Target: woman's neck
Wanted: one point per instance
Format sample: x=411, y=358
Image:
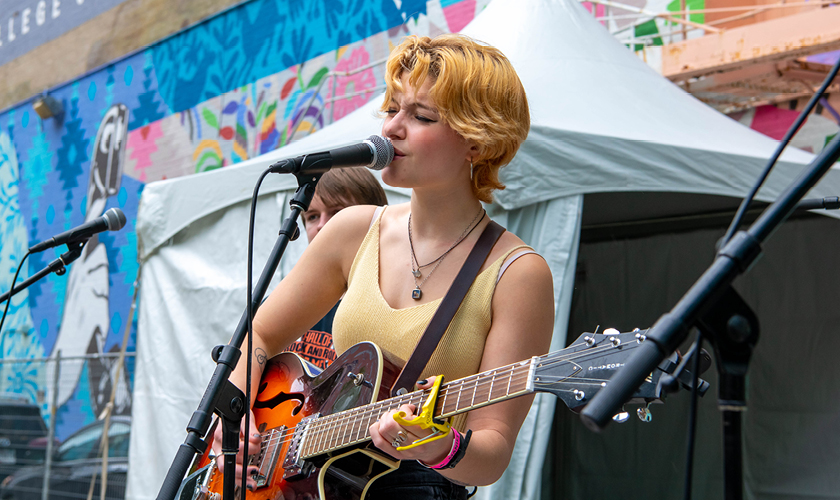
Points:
x=442, y=215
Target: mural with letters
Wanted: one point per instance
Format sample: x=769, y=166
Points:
x=26, y=24
x=242, y=83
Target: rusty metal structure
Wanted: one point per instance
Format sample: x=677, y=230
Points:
x=742, y=56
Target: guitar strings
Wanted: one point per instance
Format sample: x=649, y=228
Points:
x=333, y=430
x=324, y=428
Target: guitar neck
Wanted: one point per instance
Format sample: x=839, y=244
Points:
x=350, y=427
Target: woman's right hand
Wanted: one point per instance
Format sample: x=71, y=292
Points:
x=254, y=443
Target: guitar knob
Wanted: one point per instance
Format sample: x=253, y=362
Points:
x=357, y=379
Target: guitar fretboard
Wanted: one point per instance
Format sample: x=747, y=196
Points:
x=350, y=427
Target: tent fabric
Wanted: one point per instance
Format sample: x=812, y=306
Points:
x=793, y=384
x=602, y=121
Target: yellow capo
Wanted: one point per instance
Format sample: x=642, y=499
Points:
x=426, y=419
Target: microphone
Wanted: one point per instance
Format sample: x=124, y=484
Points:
x=375, y=153
x=112, y=220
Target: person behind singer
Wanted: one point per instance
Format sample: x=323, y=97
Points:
x=337, y=189
x=455, y=112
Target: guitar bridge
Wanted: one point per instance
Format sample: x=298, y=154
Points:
x=293, y=466
x=269, y=455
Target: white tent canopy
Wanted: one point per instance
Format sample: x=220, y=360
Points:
x=602, y=121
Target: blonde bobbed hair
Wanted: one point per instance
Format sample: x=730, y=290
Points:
x=476, y=92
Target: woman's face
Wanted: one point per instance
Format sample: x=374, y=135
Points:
x=427, y=151
x=318, y=215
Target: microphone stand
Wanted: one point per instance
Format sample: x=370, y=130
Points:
x=722, y=316
x=58, y=266
x=222, y=396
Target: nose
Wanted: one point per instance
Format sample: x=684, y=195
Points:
x=393, y=127
x=322, y=221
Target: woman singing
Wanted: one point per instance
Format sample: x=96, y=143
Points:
x=455, y=112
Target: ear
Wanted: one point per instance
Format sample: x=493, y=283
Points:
x=472, y=154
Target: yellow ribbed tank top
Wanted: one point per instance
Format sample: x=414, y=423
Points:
x=364, y=315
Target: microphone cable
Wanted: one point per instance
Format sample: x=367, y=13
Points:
x=11, y=293
x=250, y=342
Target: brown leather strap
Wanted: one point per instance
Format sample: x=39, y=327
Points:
x=447, y=309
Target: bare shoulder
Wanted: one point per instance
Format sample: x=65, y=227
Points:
x=353, y=219
x=527, y=285
x=522, y=309
x=342, y=235
x=526, y=267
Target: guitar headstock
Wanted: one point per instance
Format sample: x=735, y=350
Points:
x=578, y=372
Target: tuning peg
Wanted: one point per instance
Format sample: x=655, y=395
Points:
x=621, y=416
x=644, y=413
x=611, y=331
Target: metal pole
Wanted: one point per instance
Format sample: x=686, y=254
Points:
x=45, y=486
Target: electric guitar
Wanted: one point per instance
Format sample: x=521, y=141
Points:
x=314, y=426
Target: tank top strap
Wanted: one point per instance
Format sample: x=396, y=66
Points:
x=513, y=254
x=376, y=213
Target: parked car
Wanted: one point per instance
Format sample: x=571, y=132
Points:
x=76, y=462
x=23, y=435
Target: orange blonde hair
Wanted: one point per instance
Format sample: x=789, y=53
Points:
x=477, y=93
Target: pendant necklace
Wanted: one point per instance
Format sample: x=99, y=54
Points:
x=416, y=267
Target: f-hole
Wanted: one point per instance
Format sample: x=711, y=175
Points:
x=279, y=399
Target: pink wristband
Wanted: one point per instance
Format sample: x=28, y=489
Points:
x=456, y=443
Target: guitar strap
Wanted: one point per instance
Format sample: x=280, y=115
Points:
x=447, y=309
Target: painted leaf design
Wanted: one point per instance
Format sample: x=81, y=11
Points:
x=210, y=118
x=316, y=79
x=230, y=108
x=287, y=88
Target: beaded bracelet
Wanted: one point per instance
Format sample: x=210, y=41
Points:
x=456, y=453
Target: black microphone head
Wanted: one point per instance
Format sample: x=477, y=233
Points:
x=383, y=151
x=114, y=219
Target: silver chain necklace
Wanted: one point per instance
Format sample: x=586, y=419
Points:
x=416, y=294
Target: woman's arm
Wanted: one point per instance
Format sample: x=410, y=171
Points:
x=310, y=290
x=523, y=321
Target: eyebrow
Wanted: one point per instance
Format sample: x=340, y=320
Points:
x=417, y=104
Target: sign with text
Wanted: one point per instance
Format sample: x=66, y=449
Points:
x=26, y=24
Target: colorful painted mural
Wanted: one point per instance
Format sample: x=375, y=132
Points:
x=231, y=88
x=240, y=84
